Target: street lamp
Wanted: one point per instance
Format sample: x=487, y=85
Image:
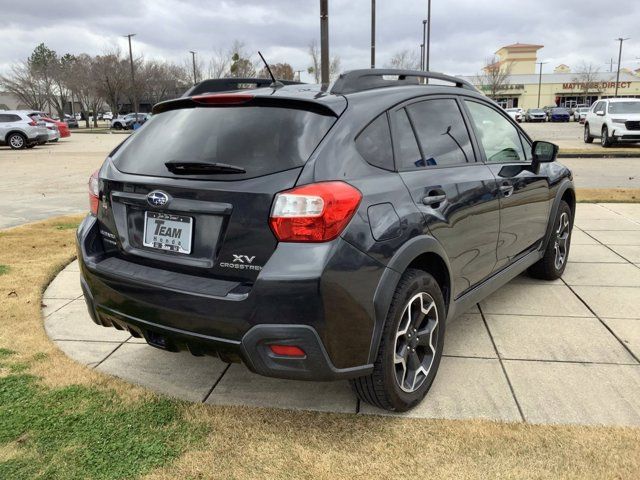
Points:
x=620, y=39
x=133, y=82
x=373, y=33
x=424, y=43
x=193, y=60
x=540, y=81
x=428, y=44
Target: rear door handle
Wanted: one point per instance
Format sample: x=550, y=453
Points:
x=506, y=190
x=433, y=199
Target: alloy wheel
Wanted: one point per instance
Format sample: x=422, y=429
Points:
x=16, y=141
x=416, y=341
x=562, y=241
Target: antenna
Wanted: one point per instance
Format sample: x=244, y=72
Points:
x=275, y=83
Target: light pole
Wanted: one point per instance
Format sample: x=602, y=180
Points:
x=373, y=33
x=299, y=72
x=428, y=44
x=193, y=60
x=540, y=81
x=620, y=39
x=133, y=81
x=324, y=41
x=424, y=43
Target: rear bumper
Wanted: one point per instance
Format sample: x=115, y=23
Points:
x=312, y=305
x=40, y=139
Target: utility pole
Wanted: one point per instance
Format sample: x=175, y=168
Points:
x=424, y=43
x=324, y=41
x=540, y=81
x=620, y=39
x=133, y=80
x=428, y=47
x=298, y=72
x=373, y=33
x=193, y=60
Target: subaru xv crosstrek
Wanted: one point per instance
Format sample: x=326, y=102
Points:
x=321, y=233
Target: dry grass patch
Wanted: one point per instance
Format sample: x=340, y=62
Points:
x=610, y=195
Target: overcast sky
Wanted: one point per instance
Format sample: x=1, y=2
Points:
x=464, y=32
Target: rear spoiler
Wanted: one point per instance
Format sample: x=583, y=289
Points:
x=216, y=85
x=242, y=98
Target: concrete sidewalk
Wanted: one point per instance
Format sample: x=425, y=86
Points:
x=541, y=352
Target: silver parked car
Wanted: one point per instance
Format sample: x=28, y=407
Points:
x=18, y=130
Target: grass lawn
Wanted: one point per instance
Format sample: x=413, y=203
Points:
x=610, y=195
x=59, y=419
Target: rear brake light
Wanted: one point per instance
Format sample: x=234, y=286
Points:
x=33, y=124
x=94, y=193
x=223, y=99
x=317, y=212
x=287, y=350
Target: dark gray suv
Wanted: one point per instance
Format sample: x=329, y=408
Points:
x=321, y=233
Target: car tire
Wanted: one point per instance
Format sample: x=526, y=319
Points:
x=16, y=141
x=588, y=138
x=605, y=140
x=400, y=381
x=551, y=266
x=117, y=126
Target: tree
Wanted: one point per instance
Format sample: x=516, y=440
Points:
x=586, y=79
x=112, y=78
x=282, y=71
x=404, y=60
x=163, y=80
x=241, y=66
x=83, y=84
x=494, y=77
x=22, y=83
x=219, y=64
x=315, y=67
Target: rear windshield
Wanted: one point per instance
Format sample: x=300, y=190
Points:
x=259, y=139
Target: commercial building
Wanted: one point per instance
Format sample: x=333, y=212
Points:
x=521, y=85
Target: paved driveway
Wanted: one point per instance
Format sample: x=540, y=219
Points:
x=542, y=352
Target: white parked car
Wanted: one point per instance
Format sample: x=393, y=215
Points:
x=580, y=114
x=515, y=113
x=18, y=130
x=613, y=120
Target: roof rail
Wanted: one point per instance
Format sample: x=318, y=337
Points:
x=214, y=85
x=368, y=79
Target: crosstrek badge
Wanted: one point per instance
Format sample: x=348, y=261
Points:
x=241, y=262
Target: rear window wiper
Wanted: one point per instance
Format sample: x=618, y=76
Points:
x=202, y=168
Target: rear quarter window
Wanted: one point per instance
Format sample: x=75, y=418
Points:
x=374, y=143
x=262, y=140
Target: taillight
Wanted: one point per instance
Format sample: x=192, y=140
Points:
x=317, y=212
x=33, y=124
x=94, y=193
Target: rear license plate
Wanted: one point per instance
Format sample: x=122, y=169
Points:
x=164, y=231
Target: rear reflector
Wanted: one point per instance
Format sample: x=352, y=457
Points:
x=287, y=350
x=94, y=193
x=223, y=99
x=317, y=212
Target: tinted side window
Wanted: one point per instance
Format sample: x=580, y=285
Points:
x=408, y=154
x=441, y=132
x=4, y=118
x=374, y=143
x=499, y=138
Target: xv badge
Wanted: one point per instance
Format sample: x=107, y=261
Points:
x=243, y=258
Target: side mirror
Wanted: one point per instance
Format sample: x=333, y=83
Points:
x=544, y=152
x=600, y=113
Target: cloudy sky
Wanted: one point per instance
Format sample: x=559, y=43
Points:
x=464, y=32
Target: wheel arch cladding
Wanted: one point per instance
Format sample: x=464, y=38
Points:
x=567, y=193
x=423, y=253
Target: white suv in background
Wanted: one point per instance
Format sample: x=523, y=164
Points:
x=18, y=130
x=613, y=120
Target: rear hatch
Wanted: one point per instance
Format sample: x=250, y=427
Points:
x=191, y=191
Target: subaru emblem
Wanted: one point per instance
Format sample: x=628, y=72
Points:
x=157, y=198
